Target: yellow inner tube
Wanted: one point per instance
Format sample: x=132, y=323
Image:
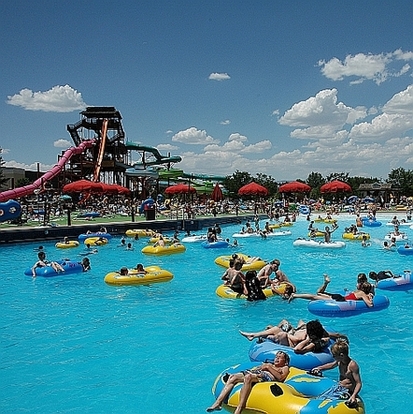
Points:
x=63, y=245
x=288, y=400
x=155, y=275
x=358, y=236
x=96, y=241
x=226, y=292
x=248, y=265
x=139, y=232
x=162, y=250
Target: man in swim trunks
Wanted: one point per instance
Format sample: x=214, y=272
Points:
x=276, y=371
x=350, y=382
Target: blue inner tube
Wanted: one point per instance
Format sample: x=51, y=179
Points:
x=332, y=308
x=69, y=267
x=265, y=351
x=82, y=237
x=214, y=245
x=304, y=209
x=405, y=251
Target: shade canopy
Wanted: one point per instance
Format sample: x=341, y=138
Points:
x=335, y=186
x=217, y=193
x=294, y=187
x=90, y=186
x=83, y=185
x=180, y=188
x=253, y=189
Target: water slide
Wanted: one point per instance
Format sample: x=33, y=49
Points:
x=99, y=160
x=161, y=159
x=39, y=183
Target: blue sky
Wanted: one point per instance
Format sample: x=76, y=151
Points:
x=283, y=88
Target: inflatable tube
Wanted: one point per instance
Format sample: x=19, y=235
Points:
x=402, y=237
x=358, y=236
x=139, y=233
x=299, y=393
x=194, y=239
x=267, y=234
x=163, y=250
x=371, y=223
x=303, y=209
x=226, y=292
x=316, y=234
x=155, y=275
x=96, y=241
x=401, y=282
x=48, y=271
x=214, y=245
x=400, y=224
x=10, y=210
x=319, y=244
x=266, y=350
x=84, y=236
x=279, y=225
x=248, y=265
x=334, y=309
x=68, y=245
x=405, y=251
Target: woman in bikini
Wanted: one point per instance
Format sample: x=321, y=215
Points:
x=360, y=294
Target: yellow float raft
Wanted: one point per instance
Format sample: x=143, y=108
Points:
x=139, y=233
x=154, y=275
x=96, y=241
x=163, y=250
x=226, y=292
x=248, y=265
x=68, y=245
x=358, y=236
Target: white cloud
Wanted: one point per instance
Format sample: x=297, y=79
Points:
x=29, y=167
x=320, y=116
x=62, y=143
x=237, y=137
x=219, y=76
x=226, y=122
x=193, y=136
x=377, y=68
x=401, y=103
x=166, y=147
x=57, y=99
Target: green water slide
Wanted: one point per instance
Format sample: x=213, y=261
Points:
x=155, y=158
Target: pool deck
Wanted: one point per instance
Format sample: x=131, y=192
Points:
x=26, y=233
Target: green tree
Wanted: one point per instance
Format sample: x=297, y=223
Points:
x=234, y=182
x=338, y=176
x=403, y=179
x=268, y=182
x=315, y=180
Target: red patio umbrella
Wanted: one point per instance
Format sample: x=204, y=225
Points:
x=121, y=189
x=335, y=186
x=253, y=189
x=180, y=188
x=294, y=187
x=82, y=185
x=217, y=193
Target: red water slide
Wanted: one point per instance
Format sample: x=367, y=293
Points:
x=39, y=183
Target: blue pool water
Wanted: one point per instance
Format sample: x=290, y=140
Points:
x=73, y=344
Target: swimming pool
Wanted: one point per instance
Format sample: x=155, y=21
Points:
x=74, y=344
